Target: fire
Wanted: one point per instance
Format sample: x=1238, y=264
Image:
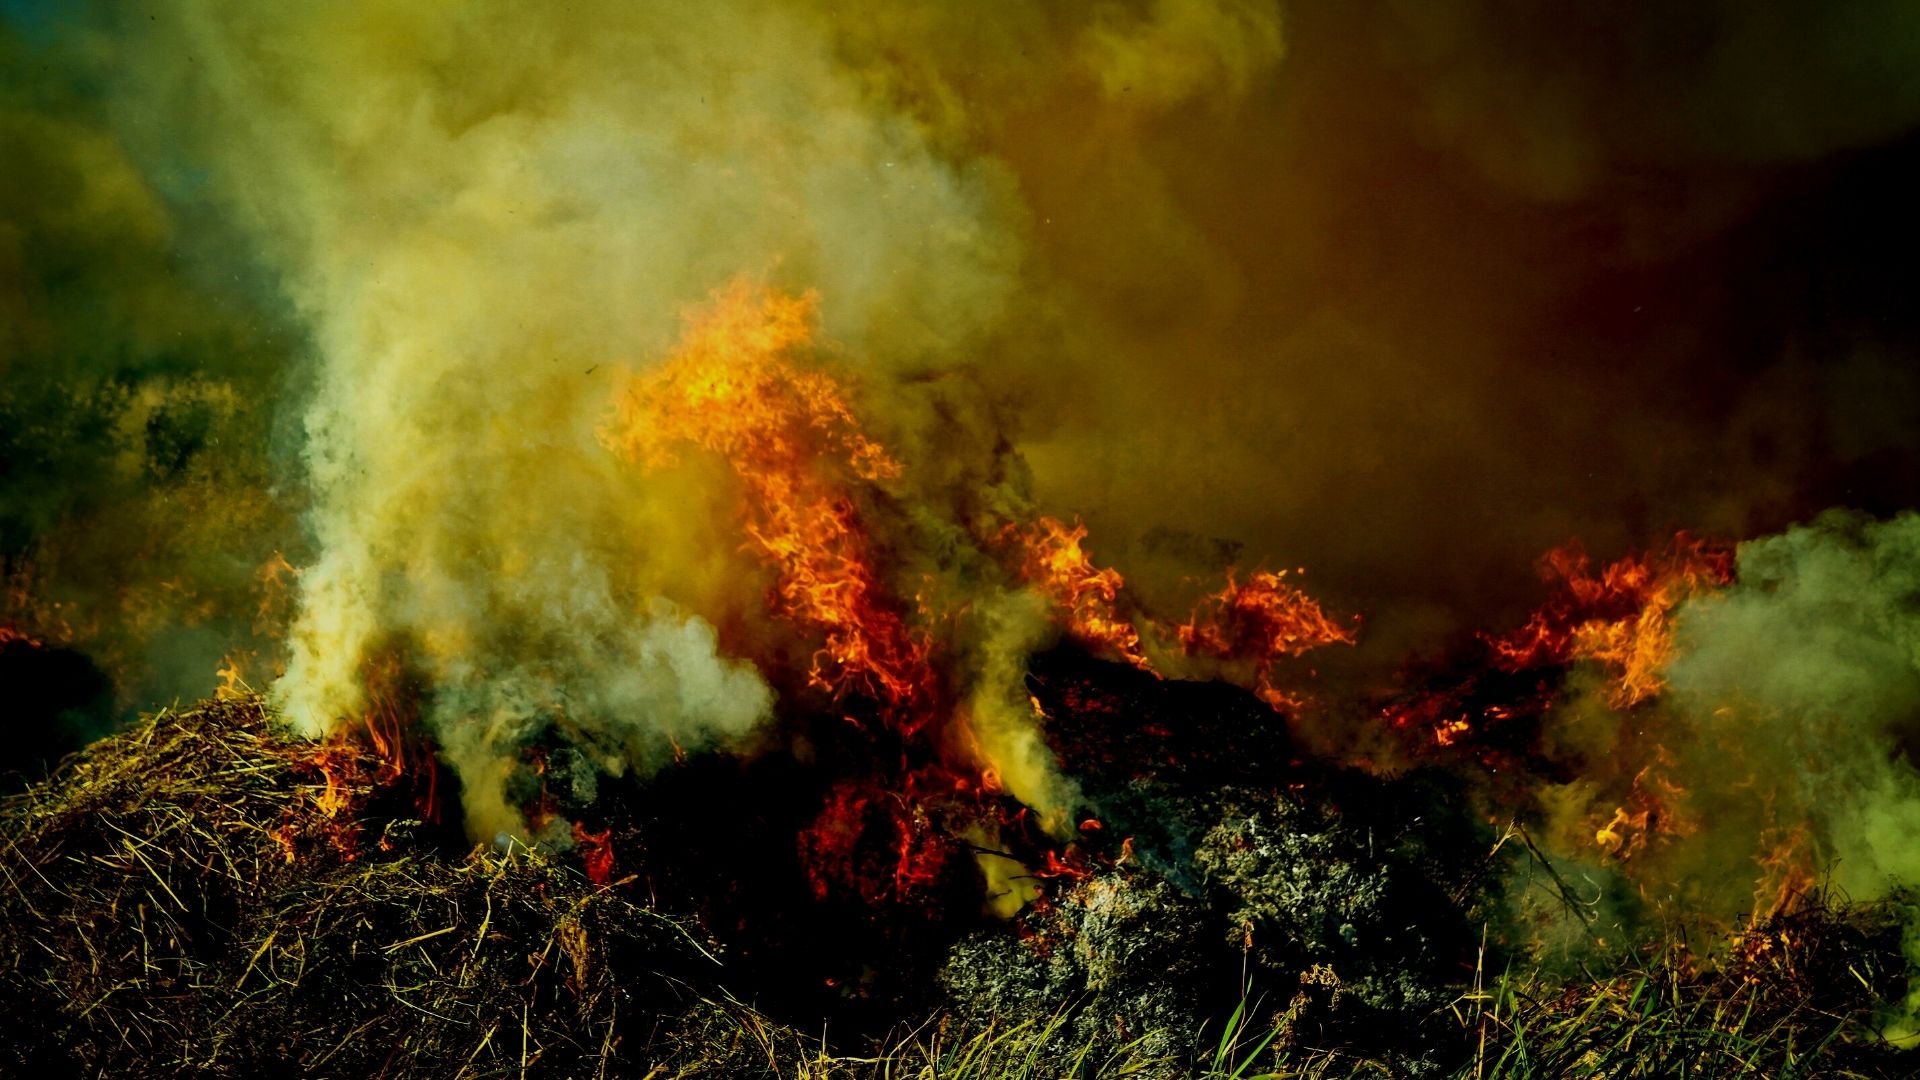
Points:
x=233, y=684
x=917, y=851
x=596, y=852
x=1263, y=620
x=1451, y=731
x=337, y=765
x=733, y=388
x=815, y=488
x=385, y=747
x=1655, y=806
x=273, y=582
x=1056, y=565
x=1786, y=872
x=1620, y=618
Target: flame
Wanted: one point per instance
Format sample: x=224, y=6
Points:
x=337, y=766
x=1451, y=731
x=385, y=747
x=1786, y=872
x=273, y=585
x=596, y=852
x=1056, y=565
x=1072, y=866
x=233, y=686
x=739, y=385
x=1263, y=620
x=733, y=388
x=26, y=616
x=917, y=852
x=1620, y=618
x=1655, y=807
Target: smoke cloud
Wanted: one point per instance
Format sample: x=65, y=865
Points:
x=139, y=491
x=1400, y=293
x=482, y=216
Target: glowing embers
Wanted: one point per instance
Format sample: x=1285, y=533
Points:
x=875, y=844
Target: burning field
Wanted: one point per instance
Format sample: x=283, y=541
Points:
x=1174, y=538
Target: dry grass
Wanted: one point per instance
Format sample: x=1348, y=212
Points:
x=201, y=896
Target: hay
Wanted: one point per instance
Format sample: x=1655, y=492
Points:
x=200, y=896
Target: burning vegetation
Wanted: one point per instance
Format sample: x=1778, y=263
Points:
x=1106, y=866
x=726, y=539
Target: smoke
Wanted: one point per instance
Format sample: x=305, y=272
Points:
x=1778, y=758
x=1180, y=49
x=482, y=216
x=1401, y=293
x=1552, y=98
x=1000, y=717
x=1440, y=288
x=1805, y=677
x=138, y=481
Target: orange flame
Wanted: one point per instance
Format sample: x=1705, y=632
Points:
x=1621, y=618
x=1089, y=594
x=732, y=388
x=738, y=386
x=233, y=684
x=1786, y=872
x=1655, y=807
x=385, y=748
x=1263, y=620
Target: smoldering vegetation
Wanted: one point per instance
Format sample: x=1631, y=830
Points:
x=208, y=893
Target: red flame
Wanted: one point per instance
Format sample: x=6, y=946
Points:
x=1621, y=617
x=1263, y=620
x=917, y=853
x=596, y=852
x=738, y=386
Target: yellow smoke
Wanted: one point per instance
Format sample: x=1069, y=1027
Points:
x=481, y=212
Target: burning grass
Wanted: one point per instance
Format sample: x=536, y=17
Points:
x=200, y=895
x=1800, y=996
